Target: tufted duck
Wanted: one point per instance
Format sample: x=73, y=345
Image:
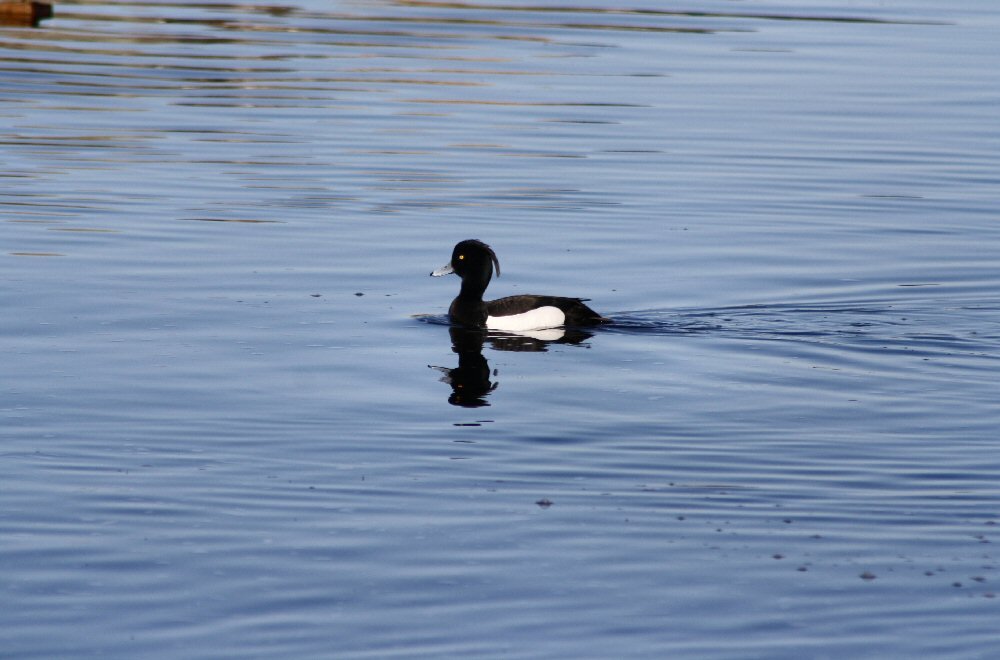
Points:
x=473, y=261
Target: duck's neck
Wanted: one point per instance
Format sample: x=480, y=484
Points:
x=474, y=285
x=468, y=308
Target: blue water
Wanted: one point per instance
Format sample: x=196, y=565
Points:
x=235, y=423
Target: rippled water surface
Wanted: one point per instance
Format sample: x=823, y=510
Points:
x=235, y=423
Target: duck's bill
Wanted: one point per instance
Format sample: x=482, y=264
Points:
x=443, y=270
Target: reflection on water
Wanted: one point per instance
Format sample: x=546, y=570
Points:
x=231, y=91
x=471, y=381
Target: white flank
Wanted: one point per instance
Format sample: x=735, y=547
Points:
x=536, y=319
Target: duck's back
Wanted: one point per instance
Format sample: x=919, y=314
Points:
x=573, y=311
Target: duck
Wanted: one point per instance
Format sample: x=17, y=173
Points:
x=473, y=261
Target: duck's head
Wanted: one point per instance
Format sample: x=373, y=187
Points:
x=471, y=260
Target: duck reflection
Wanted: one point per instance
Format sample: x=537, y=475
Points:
x=472, y=380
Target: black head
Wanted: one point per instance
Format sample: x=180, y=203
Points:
x=473, y=261
x=473, y=257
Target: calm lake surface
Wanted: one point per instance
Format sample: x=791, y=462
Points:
x=235, y=423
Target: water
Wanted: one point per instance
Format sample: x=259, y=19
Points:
x=234, y=422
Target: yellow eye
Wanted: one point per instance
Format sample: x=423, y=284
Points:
x=461, y=257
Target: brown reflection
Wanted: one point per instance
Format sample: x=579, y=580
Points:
x=364, y=64
x=160, y=54
x=23, y=12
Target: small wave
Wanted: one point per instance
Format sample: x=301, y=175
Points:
x=853, y=324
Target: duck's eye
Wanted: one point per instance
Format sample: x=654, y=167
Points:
x=461, y=257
